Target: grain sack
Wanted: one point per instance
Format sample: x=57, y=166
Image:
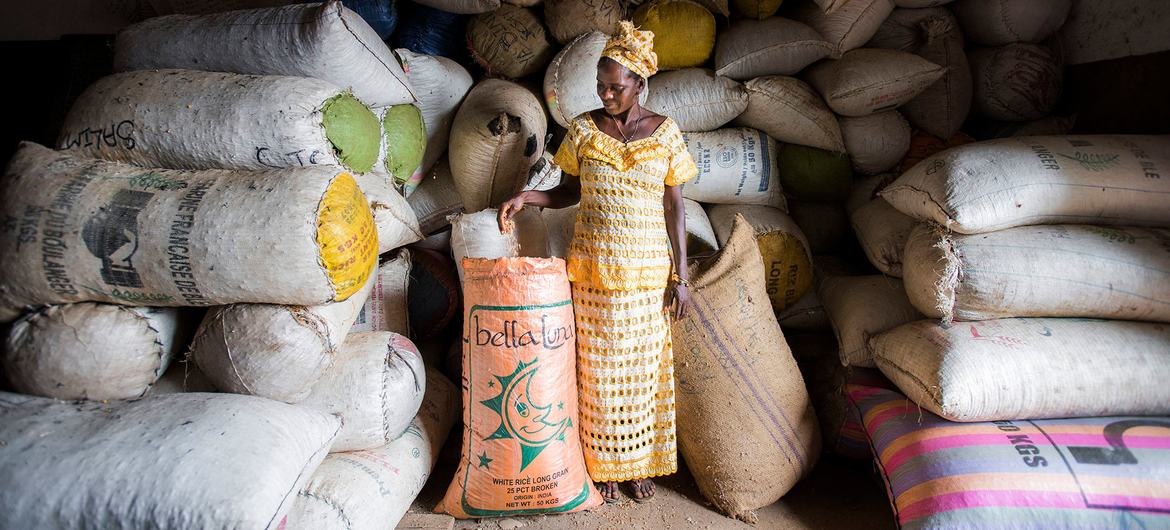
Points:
x=866, y=189
x=808, y=173
x=374, y=489
x=1055, y=125
x=775, y=46
x=882, y=232
x=543, y=175
x=273, y=351
x=561, y=223
x=787, y=260
x=736, y=166
x=999, y=22
x=497, y=135
x=1034, y=271
x=917, y=4
x=756, y=9
x=375, y=385
x=1029, y=368
x=1017, y=82
x=808, y=314
x=90, y=351
x=849, y=24
x=736, y=375
x=522, y=452
x=394, y=221
x=684, y=32
x=168, y=462
x=828, y=382
x=108, y=232
x=570, y=83
x=924, y=145
x=440, y=84
x=700, y=236
x=1070, y=473
x=185, y=119
x=569, y=19
x=478, y=235
x=436, y=199
x=871, y=80
x=182, y=376
x=386, y=306
x=463, y=7
x=790, y=111
x=697, y=99
x=439, y=241
x=434, y=298
x=424, y=29
x=860, y=307
x=876, y=143
x=908, y=30
x=404, y=141
x=824, y=225
x=943, y=107
x=987, y=186
x=509, y=41
x=325, y=41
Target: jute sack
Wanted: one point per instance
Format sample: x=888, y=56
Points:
x=684, y=32
x=924, y=145
x=436, y=199
x=463, y=7
x=375, y=384
x=790, y=111
x=522, y=451
x=433, y=298
x=772, y=46
x=440, y=84
x=756, y=9
x=808, y=173
x=182, y=376
x=942, y=108
x=823, y=224
x=736, y=166
x=849, y=24
x=387, y=308
x=561, y=225
x=169, y=462
x=1038, y=367
x=404, y=140
x=90, y=351
x=569, y=19
x=701, y=238
x=866, y=189
x=570, y=83
x=1033, y=271
x=807, y=314
x=871, y=80
x=745, y=424
x=273, y=351
x=477, y=235
x=882, y=232
x=907, y=30
x=1016, y=82
x=876, y=143
x=497, y=135
x=109, y=232
x=186, y=119
x=860, y=307
x=325, y=41
x=697, y=99
x=374, y=488
x=787, y=260
x=509, y=41
x=987, y=186
x=999, y=22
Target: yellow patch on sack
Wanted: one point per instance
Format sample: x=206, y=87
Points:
x=346, y=236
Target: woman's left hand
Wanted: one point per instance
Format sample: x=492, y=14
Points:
x=678, y=298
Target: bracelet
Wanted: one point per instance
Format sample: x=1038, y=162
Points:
x=678, y=280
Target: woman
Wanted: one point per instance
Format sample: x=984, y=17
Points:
x=626, y=166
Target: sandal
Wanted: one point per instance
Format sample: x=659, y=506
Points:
x=638, y=486
x=609, y=492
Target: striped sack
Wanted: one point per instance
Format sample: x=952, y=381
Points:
x=1110, y=472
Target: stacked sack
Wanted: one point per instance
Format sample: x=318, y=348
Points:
x=213, y=171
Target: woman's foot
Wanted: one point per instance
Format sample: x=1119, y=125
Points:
x=642, y=489
x=609, y=492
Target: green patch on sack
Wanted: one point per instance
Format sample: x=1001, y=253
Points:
x=814, y=174
x=353, y=131
x=406, y=140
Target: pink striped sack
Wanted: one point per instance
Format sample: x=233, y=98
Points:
x=1110, y=472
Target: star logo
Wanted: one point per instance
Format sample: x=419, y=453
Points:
x=484, y=461
x=521, y=418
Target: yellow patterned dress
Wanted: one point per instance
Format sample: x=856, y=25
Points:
x=619, y=263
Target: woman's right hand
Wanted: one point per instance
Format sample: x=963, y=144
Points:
x=508, y=210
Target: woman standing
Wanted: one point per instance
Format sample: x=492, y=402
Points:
x=627, y=261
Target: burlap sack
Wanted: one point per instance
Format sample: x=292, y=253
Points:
x=847, y=24
x=876, y=143
x=943, y=107
x=1040, y=271
x=736, y=166
x=998, y=184
x=882, y=232
x=745, y=424
x=907, y=29
x=860, y=307
x=1016, y=82
x=569, y=19
x=325, y=41
x=684, y=32
x=807, y=315
x=870, y=80
x=772, y=46
x=789, y=110
x=697, y=99
x=1028, y=368
x=787, y=260
x=102, y=231
x=999, y=22
x=509, y=41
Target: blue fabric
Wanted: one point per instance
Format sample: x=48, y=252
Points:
x=426, y=30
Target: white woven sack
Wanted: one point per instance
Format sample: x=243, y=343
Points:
x=701, y=238
x=1016, y=82
x=870, y=80
x=1029, y=368
x=876, y=143
x=386, y=309
x=175, y=461
x=1034, y=271
x=90, y=351
x=736, y=166
x=393, y=217
x=697, y=99
x=182, y=376
x=999, y=22
x=440, y=84
x=561, y=223
x=477, y=235
x=790, y=111
x=773, y=46
x=570, y=82
x=436, y=199
x=849, y=24
x=860, y=307
x=997, y=184
x=325, y=41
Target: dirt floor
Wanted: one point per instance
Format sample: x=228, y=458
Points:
x=840, y=494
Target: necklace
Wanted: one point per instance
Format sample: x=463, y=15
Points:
x=626, y=137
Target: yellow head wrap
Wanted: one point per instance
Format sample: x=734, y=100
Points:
x=633, y=49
